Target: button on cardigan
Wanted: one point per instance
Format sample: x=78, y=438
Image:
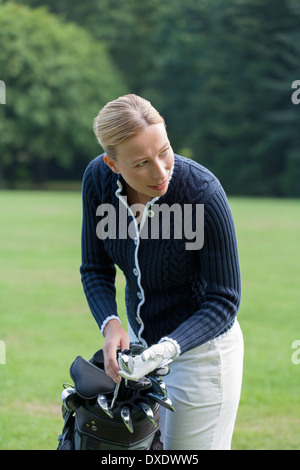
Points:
x=188, y=296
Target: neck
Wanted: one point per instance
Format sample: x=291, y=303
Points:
x=133, y=197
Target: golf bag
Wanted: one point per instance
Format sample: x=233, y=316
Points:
x=101, y=415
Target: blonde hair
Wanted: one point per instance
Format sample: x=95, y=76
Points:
x=123, y=118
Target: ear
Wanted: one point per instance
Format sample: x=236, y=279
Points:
x=111, y=163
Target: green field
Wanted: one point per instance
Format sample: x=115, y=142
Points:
x=45, y=322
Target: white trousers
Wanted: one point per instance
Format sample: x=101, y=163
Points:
x=204, y=385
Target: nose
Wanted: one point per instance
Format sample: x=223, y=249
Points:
x=159, y=171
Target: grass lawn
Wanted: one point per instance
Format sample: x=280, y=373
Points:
x=45, y=321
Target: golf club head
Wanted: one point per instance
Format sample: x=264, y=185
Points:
x=148, y=412
x=142, y=384
x=124, y=362
x=70, y=399
x=162, y=400
x=136, y=348
x=161, y=371
x=125, y=415
x=158, y=386
x=102, y=402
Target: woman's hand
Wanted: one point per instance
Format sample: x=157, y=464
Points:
x=158, y=355
x=115, y=337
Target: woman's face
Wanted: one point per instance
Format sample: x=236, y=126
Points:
x=145, y=161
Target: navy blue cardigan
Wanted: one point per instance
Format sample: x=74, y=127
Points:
x=188, y=296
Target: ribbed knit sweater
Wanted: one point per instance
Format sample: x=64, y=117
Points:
x=188, y=296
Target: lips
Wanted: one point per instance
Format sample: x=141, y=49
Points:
x=159, y=187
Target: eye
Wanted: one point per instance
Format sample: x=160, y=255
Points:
x=164, y=152
x=141, y=164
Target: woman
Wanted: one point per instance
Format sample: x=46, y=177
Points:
x=181, y=299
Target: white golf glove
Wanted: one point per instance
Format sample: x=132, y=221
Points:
x=133, y=368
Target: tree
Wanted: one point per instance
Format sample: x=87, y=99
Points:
x=216, y=78
x=57, y=78
x=284, y=121
x=127, y=28
x=220, y=72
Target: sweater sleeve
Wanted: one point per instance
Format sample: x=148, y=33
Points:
x=97, y=269
x=218, y=261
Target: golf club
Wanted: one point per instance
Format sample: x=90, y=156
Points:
x=125, y=415
x=158, y=385
x=162, y=400
x=148, y=412
x=70, y=399
x=141, y=384
x=115, y=395
x=102, y=402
